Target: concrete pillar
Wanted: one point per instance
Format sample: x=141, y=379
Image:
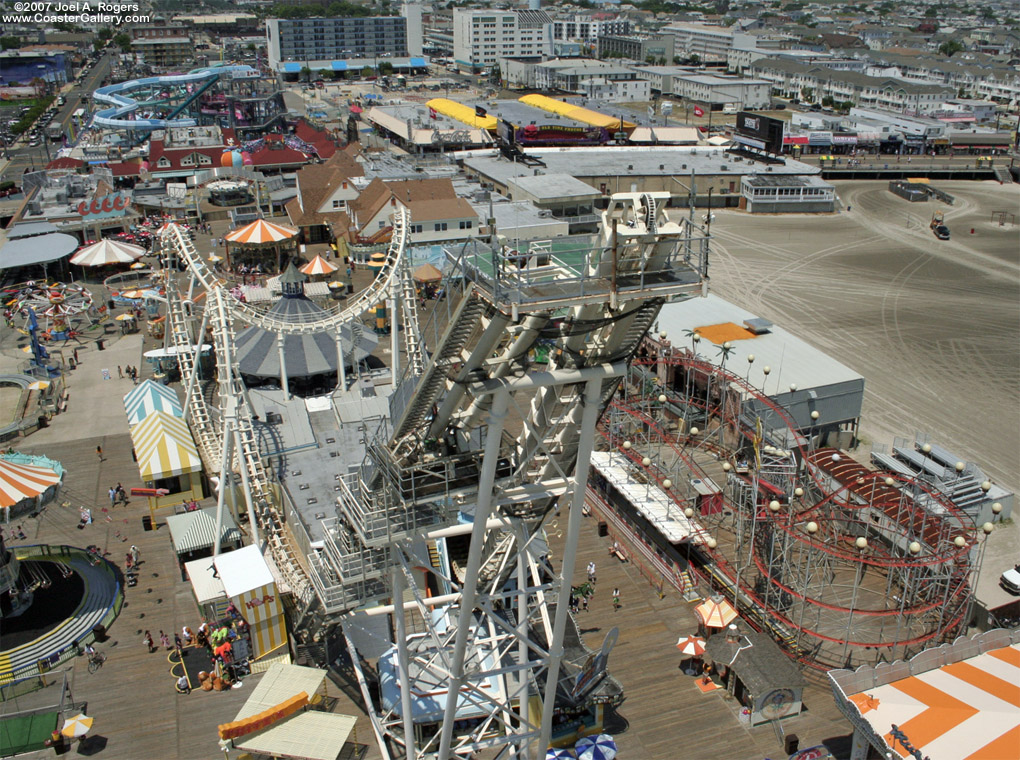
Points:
x=283, y=367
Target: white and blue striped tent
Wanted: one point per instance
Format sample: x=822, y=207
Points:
x=151, y=397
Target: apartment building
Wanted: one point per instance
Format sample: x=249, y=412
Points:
x=710, y=43
x=813, y=83
x=588, y=29
x=658, y=47
x=165, y=52
x=707, y=88
x=482, y=38
x=335, y=39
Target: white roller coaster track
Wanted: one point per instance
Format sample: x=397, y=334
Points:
x=222, y=308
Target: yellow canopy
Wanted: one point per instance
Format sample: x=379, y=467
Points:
x=584, y=115
x=462, y=113
x=164, y=447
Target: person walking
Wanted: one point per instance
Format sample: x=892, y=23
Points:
x=120, y=372
x=76, y=356
x=113, y=496
x=147, y=640
x=134, y=553
x=121, y=494
x=591, y=572
x=177, y=640
x=616, y=598
x=165, y=641
x=99, y=453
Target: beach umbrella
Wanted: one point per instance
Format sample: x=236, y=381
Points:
x=39, y=385
x=318, y=265
x=214, y=258
x=133, y=295
x=336, y=284
x=124, y=317
x=138, y=265
x=692, y=646
x=77, y=726
x=716, y=613
x=601, y=747
x=556, y=753
x=107, y=252
x=27, y=349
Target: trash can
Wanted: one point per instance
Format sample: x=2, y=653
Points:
x=792, y=744
x=603, y=529
x=111, y=305
x=101, y=344
x=99, y=631
x=146, y=522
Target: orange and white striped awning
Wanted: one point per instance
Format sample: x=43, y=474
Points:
x=260, y=231
x=318, y=265
x=716, y=613
x=23, y=481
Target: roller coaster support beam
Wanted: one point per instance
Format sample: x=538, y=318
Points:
x=341, y=369
x=193, y=380
x=483, y=508
x=403, y=661
x=586, y=441
x=224, y=485
x=284, y=383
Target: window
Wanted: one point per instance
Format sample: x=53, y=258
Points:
x=163, y=162
x=467, y=225
x=416, y=228
x=338, y=203
x=382, y=223
x=440, y=227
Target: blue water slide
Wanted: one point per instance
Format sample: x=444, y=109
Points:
x=122, y=104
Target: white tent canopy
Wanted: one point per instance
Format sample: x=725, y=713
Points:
x=107, y=252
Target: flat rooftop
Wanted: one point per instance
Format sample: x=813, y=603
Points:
x=554, y=187
x=521, y=114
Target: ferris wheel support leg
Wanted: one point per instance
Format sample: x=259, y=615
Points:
x=592, y=391
x=193, y=380
x=284, y=384
x=483, y=508
x=341, y=369
x=224, y=485
x=402, y=657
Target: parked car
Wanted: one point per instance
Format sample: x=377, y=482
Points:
x=941, y=231
x=1010, y=580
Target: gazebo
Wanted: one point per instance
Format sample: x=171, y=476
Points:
x=259, y=236
x=427, y=273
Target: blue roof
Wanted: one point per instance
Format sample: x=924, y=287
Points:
x=339, y=65
x=417, y=61
x=292, y=68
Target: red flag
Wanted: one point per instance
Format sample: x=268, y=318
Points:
x=699, y=111
x=433, y=114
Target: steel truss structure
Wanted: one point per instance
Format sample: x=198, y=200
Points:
x=842, y=564
x=480, y=442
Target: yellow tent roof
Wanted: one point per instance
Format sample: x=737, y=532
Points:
x=576, y=113
x=462, y=113
x=164, y=447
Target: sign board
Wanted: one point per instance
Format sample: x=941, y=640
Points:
x=594, y=668
x=106, y=206
x=762, y=129
x=176, y=189
x=666, y=107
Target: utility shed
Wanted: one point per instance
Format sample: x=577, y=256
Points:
x=755, y=670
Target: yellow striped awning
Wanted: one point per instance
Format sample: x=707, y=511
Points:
x=583, y=115
x=462, y=113
x=164, y=447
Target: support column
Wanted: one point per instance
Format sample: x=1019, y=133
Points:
x=483, y=508
x=402, y=658
x=341, y=369
x=859, y=746
x=394, y=307
x=224, y=484
x=283, y=367
x=586, y=442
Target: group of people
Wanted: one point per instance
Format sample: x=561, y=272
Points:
x=118, y=495
x=17, y=534
x=130, y=372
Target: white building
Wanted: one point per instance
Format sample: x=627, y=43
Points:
x=482, y=38
x=708, y=88
x=908, y=126
x=588, y=29
x=709, y=43
x=599, y=80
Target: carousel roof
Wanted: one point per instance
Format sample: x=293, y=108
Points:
x=260, y=231
x=305, y=355
x=23, y=481
x=107, y=252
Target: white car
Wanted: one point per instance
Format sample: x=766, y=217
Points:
x=1010, y=580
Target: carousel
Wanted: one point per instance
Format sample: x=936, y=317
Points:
x=247, y=246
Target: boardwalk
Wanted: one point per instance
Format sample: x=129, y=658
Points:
x=666, y=716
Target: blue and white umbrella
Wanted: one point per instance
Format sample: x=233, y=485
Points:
x=554, y=753
x=601, y=747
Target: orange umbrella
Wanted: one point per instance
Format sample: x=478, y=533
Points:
x=692, y=646
x=716, y=613
x=318, y=265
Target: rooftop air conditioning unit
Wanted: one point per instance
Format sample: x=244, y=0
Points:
x=630, y=167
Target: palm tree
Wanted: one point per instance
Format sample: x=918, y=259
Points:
x=724, y=352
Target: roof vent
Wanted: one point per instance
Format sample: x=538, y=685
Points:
x=758, y=325
x=630, y=167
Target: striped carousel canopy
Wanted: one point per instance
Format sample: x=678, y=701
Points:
x=260, y=231
x=20, y=481
x=151, y=397
x=164, y=447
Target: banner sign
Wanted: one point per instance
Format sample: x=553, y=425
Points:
x=106, y=206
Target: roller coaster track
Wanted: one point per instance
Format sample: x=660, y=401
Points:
x=222, y=309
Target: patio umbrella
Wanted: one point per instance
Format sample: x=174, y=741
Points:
x=692, y=646
x=427, y=273
x=133, y=294
x=39, y=385
x=318, y=265
x=138, y=265
x=77, y=726
x=601, y=747
x=107, y=252
x=124, y=317
x=214, y=258
x=716, y=613
x=555, y=753
x=336, y=284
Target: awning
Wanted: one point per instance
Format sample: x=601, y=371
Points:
x=795, y=139
x=151, y=397
x=339, y=65
x=665, y=135
x=280, y=683
x=292, y=68
x=196, y=530
x=987, y=139
x=38, y=249
x=418, y=61
x=164, y=447
x=312, y=735
x=205, y=580
x=23, y=481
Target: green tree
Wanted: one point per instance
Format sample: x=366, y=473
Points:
x=950, y=48
x=807, y=94
x=931, y=13
x=366, y=72
x=325, y=73
x=123, y=41
x=385, y=68
x=305, y=73
x=105, y=33
x=10, y=43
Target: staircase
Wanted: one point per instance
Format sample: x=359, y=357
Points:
x=1003, y=175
